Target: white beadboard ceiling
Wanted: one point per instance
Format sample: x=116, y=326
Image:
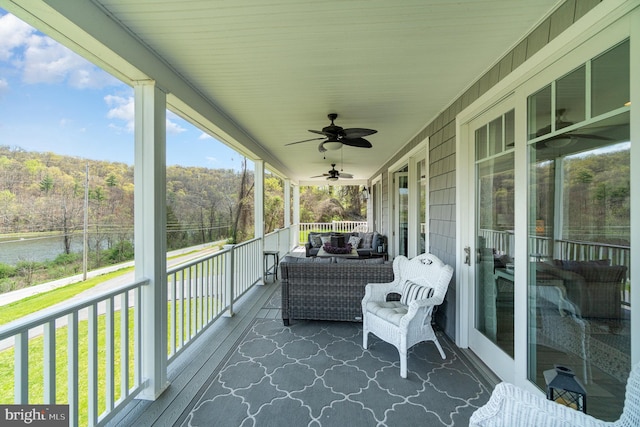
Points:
x=277, y=68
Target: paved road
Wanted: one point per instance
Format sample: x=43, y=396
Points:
x=176, y=258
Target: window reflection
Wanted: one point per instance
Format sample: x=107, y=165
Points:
x=579, y=246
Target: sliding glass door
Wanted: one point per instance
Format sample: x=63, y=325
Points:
x=492, y=322
x=579, y=247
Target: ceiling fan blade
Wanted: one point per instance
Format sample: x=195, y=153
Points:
x=320, y=176
x=588, y=136
x=356, y=142
x=304, y=140
x=321, y=132
x=354, y=133
x=345, y=175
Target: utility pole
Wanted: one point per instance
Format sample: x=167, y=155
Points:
x=85, y=234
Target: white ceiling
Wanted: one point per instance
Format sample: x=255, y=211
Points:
x=276, y=68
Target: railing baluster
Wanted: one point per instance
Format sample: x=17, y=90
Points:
x=199, y=296
x=124, y=345
x=92, y=377
x=49, y=360
x=137, y=340
x=72, y=367
x=187, y=280
x=173, y=316
x=21, y=373
x=109, y=350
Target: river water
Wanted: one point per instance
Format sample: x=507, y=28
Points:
x=35, y=249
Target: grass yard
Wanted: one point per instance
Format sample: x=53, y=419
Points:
x=36, y=365
x=29, y=305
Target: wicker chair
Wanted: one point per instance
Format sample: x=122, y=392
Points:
x=404, y=325
x=511, y=406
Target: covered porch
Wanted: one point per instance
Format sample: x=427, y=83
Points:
x=154, y=362
x=250, y=370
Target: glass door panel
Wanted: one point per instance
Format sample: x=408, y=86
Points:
x=421, y=169
x=494, y=278
x=579, y=254
x=402, y=212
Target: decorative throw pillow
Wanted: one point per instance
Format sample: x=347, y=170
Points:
x=325, y=239
x=354, y=241
x=316, y=242
x=412, y=291
x=366, y=240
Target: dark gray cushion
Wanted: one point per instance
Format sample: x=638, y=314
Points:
x=379, y=260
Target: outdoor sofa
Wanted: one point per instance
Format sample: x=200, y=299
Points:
x=328, y=288
x=367, y=242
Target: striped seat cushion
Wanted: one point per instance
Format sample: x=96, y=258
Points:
x=412, y=291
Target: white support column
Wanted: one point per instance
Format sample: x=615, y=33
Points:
x=413, y=219
x=258, y=197
x=258, y=210
x=296, y=216
x=150, y=233
x=287, y=203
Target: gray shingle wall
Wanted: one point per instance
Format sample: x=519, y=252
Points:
x=441, y=134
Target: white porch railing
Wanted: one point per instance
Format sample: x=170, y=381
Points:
x=202, y=290
x=101, y=352
x=279, y=240
x=107, y=365
x=541, y=248
x=323, y=227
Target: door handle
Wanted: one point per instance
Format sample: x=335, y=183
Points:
x=467, y=255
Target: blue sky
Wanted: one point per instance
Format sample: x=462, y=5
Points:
x=54, y=100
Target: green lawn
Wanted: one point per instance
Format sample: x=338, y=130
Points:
x=38, y=302
x=36, y=364
x=18, y=309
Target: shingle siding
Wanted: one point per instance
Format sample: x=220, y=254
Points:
x=442, y=140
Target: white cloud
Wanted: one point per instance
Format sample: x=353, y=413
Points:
x=205, y=136
x=13, y=34
x=122, y=109
x=43, y=60
x=4, y=86
x=174, y=128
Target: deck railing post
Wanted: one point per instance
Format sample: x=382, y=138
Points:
x=229, y=277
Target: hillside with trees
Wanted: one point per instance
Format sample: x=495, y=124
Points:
x=44, y=193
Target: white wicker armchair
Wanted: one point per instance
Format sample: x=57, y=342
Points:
x=511, y=406
x=404, y=325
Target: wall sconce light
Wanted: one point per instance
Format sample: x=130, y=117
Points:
x=365, y=193
x=563, y=387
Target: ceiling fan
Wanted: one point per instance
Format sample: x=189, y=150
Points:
x=333, y=174
x=335, y=136
x=564, y=139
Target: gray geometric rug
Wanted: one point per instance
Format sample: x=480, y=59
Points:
x=317, y=374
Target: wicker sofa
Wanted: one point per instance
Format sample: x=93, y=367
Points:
x=328, y=288
x=593, y=286
x=368, y=243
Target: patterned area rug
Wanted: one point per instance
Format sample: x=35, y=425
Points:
x=317, y=374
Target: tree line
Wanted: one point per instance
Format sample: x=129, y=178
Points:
x=45, y=192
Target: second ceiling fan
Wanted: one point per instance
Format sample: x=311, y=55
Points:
x=336, y=136
x=333, y=174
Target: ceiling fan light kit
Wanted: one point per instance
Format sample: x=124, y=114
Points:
x=332, y=144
